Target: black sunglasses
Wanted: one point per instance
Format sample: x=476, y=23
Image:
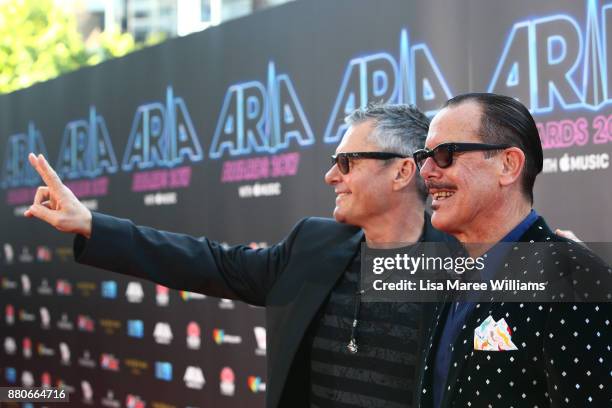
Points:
x=443, y=153
x=343, y=160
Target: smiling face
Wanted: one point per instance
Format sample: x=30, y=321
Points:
x=364, y=192
x=469, y=189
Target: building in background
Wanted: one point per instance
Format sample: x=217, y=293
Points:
x=170, y=18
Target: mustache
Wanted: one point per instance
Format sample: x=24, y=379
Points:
x=438, y=185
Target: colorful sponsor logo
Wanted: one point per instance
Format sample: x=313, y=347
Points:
x=43, y=254
x=194, y=378
x=64, y=323
x=45, y=380
x=134, y=292
x=63, y=287
x=227, y=379
x=135, y=328
x=86, y=360
x=226, y=304
x=9, y=314
x=163, y=370
x=191, y=296
x=45, y=318
x=109, y=289
x=135, y=366
x=220, y=337
x=86, y=323
x=87, y=392
x=260, y=338
x=44, y=288
x=25, y=316
x=193, y=336
x=8, y=284
x=45, y=351
x=162, y=295
x=27, y=379
x=9, y=254
x=162, y=333
x=109, y=362
x=255, y=384
x=10, y=374
x=110, y=401
x=25, y=256
x=26, y=347
x=134, y=401
x=64, y=353
x=10, y=346
x=26, y=285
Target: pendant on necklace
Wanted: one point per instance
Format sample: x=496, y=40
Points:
x=352, y=346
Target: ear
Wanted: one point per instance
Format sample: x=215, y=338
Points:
x=512, y=163
x=405, y=173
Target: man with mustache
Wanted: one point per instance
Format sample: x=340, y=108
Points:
x=482, y=156
x=325, y=347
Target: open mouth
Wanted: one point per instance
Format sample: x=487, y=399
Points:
x=442, y=195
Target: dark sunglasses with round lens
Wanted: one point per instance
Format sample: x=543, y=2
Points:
x=343, y=160
x=443, y=153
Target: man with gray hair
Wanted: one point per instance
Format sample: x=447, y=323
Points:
x=326, y=347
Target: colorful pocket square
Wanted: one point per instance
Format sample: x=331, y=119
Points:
x=493, y=336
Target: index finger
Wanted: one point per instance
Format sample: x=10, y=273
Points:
x=43, y=168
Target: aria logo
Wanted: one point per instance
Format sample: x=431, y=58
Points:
x=194, y=378
x=134, y=292
x=162, y=295
x=255, y=384
x=226, y=385
x=220, y=337
x=162, y=333
x=193, y=336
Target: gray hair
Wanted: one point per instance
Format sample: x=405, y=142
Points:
x=397, y=129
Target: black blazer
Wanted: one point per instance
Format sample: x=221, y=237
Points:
x=563, y=357
x=291, y=279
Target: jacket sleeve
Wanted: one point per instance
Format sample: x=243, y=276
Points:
x=183, y=262
x=577, y=352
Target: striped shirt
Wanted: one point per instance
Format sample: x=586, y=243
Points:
x=382, y=373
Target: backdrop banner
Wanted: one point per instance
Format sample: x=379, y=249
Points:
x=227, y=133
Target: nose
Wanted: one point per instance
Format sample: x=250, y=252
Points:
x=333, y=175
x=429, y=169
